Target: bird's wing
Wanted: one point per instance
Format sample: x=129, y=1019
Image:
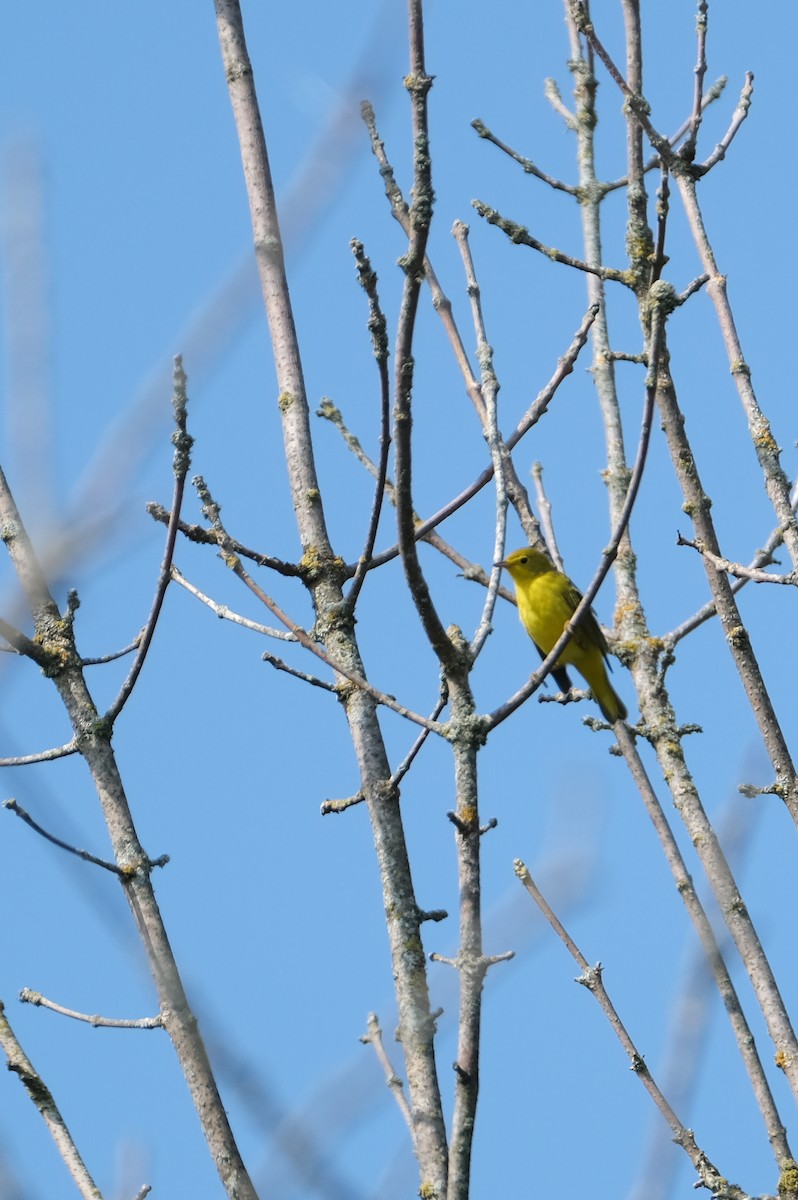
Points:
x=588, y=631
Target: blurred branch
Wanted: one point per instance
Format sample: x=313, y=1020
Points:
x=27, y=331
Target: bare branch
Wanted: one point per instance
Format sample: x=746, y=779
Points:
x=738, y=922
x=19, y=1063
x=765, y=444
x=591, y=978
x=407, y=955
x=536, y=410
x=740, y=113
x=418, y=84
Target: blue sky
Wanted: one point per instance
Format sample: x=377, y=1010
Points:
x=116, y=122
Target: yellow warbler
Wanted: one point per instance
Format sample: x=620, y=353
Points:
x=546, y=600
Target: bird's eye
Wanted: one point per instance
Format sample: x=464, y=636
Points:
x=525, y=559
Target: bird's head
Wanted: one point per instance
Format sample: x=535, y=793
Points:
x=526, y=563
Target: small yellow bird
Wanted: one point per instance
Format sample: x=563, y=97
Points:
x=546, y=600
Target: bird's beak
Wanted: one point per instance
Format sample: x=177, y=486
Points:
x=501, y=563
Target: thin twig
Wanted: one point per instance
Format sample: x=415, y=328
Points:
x=440, y=301
x=544, y=510
x=750, y=574
x=373, y=1038
x=233, y=562
x=28, y=996
x=25, y=760
x=710, y=96
x=740, y=113
x=498, y=453
x=116, y=654
x=766, y=447
x=526, y=164
x=85, y=855
x=379, y=338
x=760, y=559
x=418, y=84
x=182, y=442
x=689, y=148
x=202, y=536
x=521, y=236
x=313, y=680
x=638, y=105
x=227, y=614
x=409, y=758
